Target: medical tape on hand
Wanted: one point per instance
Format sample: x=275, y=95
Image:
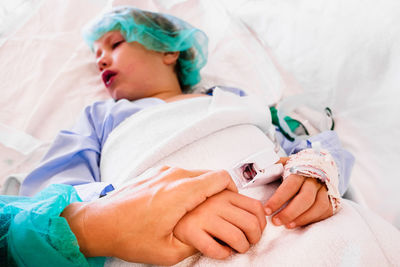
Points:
x=319, y=164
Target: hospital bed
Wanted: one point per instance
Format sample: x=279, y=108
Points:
x=344, y=55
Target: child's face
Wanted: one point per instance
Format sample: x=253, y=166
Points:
x=129, y=70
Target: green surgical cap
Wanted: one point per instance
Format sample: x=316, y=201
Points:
x=158, y=32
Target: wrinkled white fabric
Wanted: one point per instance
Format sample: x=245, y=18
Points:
x=218, y=132
x=198, y=133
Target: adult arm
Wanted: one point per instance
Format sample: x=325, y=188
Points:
x=135, y=223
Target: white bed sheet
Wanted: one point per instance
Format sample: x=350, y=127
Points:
x=349, y=50
x=44, y=82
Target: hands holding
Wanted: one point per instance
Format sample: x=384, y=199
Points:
x=168, y=214
x=307, y=199
x=238, y=221
x=232, y=218
x=136, y=223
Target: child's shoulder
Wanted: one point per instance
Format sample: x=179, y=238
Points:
x=117, y=110
x=100, y=108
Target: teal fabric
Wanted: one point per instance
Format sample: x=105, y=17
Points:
x=158, y=32
x=33, y=234
x=292, y=123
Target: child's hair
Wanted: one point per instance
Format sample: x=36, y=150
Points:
x=158, y=32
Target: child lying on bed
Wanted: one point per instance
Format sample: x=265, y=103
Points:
x=147, y=59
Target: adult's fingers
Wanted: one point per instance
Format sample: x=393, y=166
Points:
x=301, y=202
x=289, y=188
x=321, y=209
x=194, y=191
x=161, y=175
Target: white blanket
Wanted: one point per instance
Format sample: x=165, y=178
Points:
x=218, y=132
x=202, y=133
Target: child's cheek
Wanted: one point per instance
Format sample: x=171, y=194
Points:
x=129, y=68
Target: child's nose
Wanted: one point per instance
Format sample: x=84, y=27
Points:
x=103, y=62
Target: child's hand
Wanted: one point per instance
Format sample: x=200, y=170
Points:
x=234, y=219
x=308, y=201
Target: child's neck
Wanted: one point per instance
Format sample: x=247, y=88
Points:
x=181, y=97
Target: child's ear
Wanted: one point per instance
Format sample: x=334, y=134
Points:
x=170, y=57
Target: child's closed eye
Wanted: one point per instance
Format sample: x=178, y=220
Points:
x=116, y=44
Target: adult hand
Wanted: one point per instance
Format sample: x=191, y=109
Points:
x=136, y=223
x=307, y=199
x=232, y=218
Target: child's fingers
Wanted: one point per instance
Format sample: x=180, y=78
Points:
x=229, y=234
x=251, y=205
x=207, y=245
x=284, y=193
x=219, y=217
x=321, y=210
x=247, y=222
x=301, y=203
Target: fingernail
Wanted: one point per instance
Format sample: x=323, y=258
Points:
x=268, y=211
x=277, y=222
x=292, y=225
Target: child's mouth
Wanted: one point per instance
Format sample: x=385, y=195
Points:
x=108, y=77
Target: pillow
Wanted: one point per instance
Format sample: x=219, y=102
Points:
x=14, y=13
